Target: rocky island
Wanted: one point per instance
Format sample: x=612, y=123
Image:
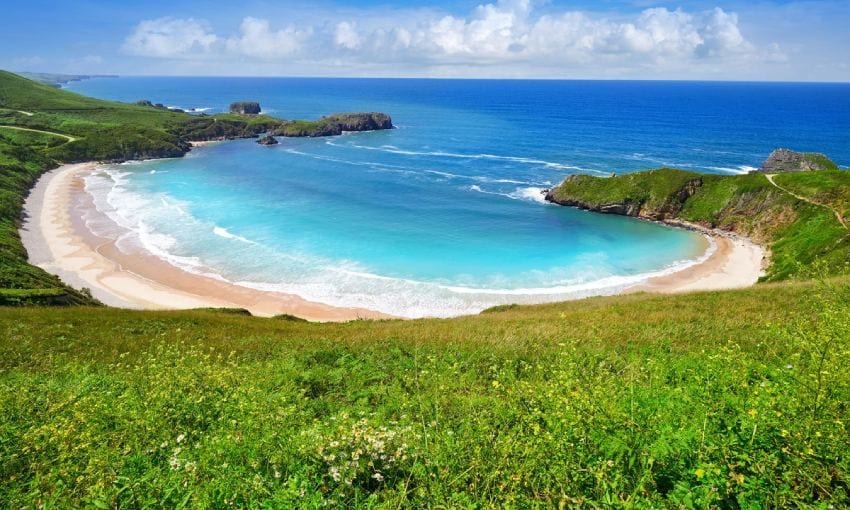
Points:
x=245, y=108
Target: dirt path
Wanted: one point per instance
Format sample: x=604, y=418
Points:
x=67, y=137
x=804, y=199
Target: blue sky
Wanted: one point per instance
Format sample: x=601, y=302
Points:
x=642, y=39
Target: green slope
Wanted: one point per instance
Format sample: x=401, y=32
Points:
x=716, y=400
x=798, y=231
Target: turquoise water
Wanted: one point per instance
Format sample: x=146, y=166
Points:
x=443, y=215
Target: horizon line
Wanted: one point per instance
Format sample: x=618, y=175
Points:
x=444, y=78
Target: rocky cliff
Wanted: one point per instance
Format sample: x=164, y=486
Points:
x=654, y=195
x=245, y=108
x=336, y=124
x=786, y=160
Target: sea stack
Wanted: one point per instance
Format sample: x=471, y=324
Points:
x=245, y=108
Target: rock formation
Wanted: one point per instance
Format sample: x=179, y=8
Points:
x=336, y=124
x=786, y=160
x=267, y=140
x=245, y=108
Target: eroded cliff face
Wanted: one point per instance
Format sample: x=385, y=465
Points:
x=642, y=203
x=245, y=108
x=786, y=160
x=336, y=124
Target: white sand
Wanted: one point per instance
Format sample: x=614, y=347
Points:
x=55, y=244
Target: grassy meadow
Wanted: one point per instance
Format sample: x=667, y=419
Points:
x=724, y=400
x=715, y=400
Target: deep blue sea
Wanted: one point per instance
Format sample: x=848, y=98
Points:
x=444, y=215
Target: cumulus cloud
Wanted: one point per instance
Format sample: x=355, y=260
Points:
x=346, y=36
x=499, y=35
x=257, y=39
x=169, y=38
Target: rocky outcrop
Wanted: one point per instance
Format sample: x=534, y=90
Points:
x=647, y=200
x=786, y=160
x=267, y=140
x=245, y=108
x=336, y=124
x=360, y=121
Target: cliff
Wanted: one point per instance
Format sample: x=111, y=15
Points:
x=786, y=160
x=336, y=124
x=797, y=229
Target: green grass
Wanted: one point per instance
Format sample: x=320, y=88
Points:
x=829, y=188
x=653, y=188
x=723, y=400
x=797, y=233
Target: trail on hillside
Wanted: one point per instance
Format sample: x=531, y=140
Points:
x=67, y=137
x=805, y=199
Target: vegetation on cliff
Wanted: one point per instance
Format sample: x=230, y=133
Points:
x=336, y=124
x=798, y=228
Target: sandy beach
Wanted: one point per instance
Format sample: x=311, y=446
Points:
x=735, y=263
x=57, y=240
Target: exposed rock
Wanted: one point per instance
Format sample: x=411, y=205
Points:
x=267, y=140
x=245, y=108
x=336, y=124
x=360, y=121
x=786, y=160
x=637, y=206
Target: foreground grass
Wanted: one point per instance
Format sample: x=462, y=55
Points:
x=729, y=400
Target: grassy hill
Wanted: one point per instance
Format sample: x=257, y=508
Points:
x=796, y=215
x=715, y=400
x=709, y=400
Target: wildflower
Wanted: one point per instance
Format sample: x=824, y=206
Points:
x=180, y=438
x=378, y=476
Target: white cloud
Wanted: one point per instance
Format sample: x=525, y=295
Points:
x=346, y=36
x=169, y=37
x=257, y=39
x=505, y=35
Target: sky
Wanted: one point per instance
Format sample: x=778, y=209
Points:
x=771, y=40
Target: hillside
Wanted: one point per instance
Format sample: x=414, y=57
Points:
x=714, y=400
x=799, y=227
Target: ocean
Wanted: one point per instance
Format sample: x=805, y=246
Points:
x=443, y=215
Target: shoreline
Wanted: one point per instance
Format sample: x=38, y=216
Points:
x=57, y=240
